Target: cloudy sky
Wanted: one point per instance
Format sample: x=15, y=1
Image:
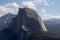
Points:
x=47, y=9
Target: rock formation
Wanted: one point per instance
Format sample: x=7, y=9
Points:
x=27, y=25
x=27, y=20
x=5, y=20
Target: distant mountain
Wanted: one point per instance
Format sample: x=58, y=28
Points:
x=53, y=26
x=5, y=20
x=57, y=21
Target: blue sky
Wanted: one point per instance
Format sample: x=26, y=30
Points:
x=47, y=9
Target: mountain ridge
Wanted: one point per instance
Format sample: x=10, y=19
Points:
x=5, y=20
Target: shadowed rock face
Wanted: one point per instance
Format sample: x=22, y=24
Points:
x=27, y=20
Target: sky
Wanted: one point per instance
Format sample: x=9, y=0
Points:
x=46, y=9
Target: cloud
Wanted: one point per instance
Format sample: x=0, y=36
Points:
x=2, y=9
x=13, y=4
x=38, y=1
x=46, y=2
x=34, y=3
x=6, y=10
x=53, y=16
x=9, y=8
x=42, y=2
x=43, y=11
x=29, y=4
x=52, y=3
x=48, y=16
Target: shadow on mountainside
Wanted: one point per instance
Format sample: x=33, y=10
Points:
x=7, y=34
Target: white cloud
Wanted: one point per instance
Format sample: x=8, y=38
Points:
x=34, y=3
x=9, y=8
x=43, y=11
x=52, y=3
x=2, y=9
x=38, y=1
x=46, y=2
x=6, y=10
x=42, y=2
x=48, y=16
x=53, y=16
x=29, y=4
x=13, y=4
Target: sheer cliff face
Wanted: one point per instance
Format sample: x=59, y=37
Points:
x=27, y=20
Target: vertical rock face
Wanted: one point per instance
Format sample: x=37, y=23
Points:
x=27, y=20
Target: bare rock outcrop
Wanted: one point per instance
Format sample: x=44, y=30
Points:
x=27, y=20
